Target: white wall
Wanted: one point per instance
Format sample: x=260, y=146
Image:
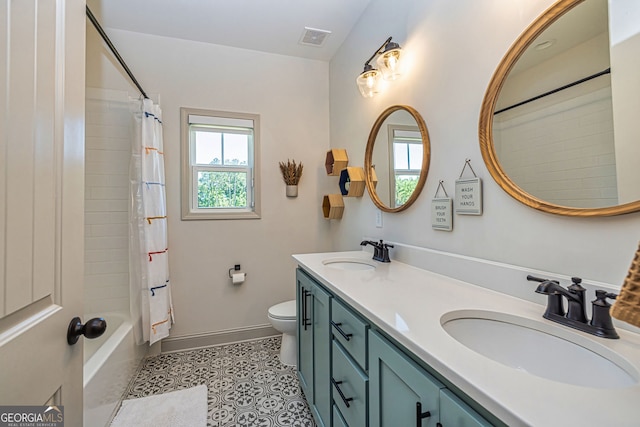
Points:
x=291, y=96
x=453, y=49
x=624, y=24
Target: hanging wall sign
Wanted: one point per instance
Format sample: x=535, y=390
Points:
x=468, y=198
x=441, y=211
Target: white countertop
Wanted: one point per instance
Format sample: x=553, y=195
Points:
x=408, y=303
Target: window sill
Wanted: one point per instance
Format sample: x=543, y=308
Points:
x=188, y=216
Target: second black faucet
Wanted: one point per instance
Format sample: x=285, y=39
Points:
x=600, y=324
x=380, y=250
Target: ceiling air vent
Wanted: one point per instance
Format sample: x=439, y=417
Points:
x=314, y=37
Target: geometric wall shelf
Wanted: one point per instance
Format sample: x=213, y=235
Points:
x=332, y=206
x=336, y=160
x=352, y=181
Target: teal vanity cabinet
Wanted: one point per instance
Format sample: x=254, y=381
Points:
x=314, y=346
x=354, y=376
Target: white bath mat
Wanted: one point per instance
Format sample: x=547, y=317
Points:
x=183, y=408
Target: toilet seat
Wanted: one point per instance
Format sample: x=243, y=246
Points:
x=284, y=311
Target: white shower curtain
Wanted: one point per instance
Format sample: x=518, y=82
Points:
x=151, y=308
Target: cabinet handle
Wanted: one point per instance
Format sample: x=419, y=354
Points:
x=303, y=308
x=346, y=400
x=421, y=415
x=305, y=321
x=339, y=329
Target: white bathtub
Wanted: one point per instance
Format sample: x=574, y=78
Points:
x=109, y=363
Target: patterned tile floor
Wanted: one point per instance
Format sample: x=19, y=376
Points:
x=248, y=386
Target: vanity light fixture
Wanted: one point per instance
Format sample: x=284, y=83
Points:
x=388, y=62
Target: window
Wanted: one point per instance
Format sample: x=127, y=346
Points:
x=219, y=165
x=406, y=162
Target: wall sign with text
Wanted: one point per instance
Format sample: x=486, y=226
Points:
x=441, y=210
x=442, y=214
x=468, y=196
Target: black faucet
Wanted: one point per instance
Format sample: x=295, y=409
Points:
x=380, y=250
x=600, y=325
x=574, y=295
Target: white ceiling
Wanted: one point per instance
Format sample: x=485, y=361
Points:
x=587, y=20
x=273, y=26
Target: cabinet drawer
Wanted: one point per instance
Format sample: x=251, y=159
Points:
x=349, y=387
x=350, y=331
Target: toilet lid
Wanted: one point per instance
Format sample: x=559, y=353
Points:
x=284, y=310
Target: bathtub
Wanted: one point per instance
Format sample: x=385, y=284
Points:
x=109, y=363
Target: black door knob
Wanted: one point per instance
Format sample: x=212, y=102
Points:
x=92, y=329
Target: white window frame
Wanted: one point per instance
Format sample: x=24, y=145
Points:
x=400, y=133
x=189, y=197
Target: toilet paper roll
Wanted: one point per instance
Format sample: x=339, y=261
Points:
x=237, y=278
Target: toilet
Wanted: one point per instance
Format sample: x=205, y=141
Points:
x=283, y=318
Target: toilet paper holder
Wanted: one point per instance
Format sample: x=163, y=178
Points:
x=235, y=268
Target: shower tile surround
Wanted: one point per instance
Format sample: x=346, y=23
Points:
x=247, y=385
x=108, y=149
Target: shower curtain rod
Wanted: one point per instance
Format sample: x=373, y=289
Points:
x=106, y=39
x=551, y=92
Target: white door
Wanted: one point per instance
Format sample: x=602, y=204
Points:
x=42, y=50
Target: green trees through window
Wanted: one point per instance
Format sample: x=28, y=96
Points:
x=405, y=185
x=222, y=190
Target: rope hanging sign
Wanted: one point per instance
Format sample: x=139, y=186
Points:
x=441, y=210
x=468, y=198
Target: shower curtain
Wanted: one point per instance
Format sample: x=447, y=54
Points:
x=150, y=288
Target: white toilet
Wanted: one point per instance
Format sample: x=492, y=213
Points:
x=283, y=318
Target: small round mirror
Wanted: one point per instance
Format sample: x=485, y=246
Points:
x=396, y=160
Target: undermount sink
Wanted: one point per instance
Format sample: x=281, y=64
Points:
x=349, y=264
x=540, y=349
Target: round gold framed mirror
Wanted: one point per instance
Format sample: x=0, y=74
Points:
x=396, y=159
x=539, y=135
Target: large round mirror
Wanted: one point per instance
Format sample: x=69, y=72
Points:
x=396, y=159
x=558, y=128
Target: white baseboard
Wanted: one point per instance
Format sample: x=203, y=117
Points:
x=190, y=342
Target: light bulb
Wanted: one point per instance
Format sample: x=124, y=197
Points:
x=369, y=82
x=389, y=63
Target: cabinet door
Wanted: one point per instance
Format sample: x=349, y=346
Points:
x=399, y=389
x=338, y=421
x=455, y=413
x=321, y=355
x=305, y=333
x=314, y=346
